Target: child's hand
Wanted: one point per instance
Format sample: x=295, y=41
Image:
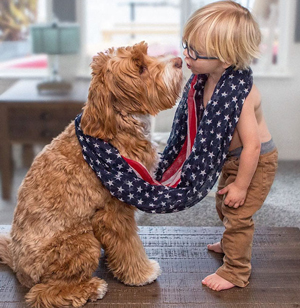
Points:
x=235, y=195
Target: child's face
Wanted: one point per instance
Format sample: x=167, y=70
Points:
x=203, y=66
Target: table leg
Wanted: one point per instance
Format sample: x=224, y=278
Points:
x=27, y=155
x=6, y=164
x=6, y=171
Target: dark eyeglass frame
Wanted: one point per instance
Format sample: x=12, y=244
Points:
x=186, y=46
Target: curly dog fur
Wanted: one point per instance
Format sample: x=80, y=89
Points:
x=64, y=215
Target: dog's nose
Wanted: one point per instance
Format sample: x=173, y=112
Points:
x=177, y=62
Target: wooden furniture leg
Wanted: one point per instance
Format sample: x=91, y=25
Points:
x=5, y=155
x=6, y=170
x=27, y=155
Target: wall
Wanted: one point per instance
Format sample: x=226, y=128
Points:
x=281, y=98
x=281, y=105
x=5, y=84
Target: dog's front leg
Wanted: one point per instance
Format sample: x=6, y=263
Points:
x=116, y=229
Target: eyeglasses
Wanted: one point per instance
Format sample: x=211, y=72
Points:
x=194, y=54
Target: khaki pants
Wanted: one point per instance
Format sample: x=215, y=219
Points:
x=239, y=226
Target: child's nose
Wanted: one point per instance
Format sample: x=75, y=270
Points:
x=185, y=53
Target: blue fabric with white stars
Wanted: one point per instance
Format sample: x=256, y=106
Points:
x=216, y=124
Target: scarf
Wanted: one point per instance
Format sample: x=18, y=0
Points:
x=194, y=155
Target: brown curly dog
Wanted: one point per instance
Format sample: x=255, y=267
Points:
x=64, y=215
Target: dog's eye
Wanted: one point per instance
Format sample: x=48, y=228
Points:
x=143, y=69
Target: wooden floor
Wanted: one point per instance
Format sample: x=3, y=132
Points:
x=185, y=261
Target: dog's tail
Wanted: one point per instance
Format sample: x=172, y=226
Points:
x=5, y=253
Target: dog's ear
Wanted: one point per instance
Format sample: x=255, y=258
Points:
x=98, y=119
x=141, y=47
x=138, y=54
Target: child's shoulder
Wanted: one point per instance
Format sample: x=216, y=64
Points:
x=254, y=97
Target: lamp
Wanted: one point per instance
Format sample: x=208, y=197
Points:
x=55, y=39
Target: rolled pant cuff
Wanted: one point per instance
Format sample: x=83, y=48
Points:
x=239, y=283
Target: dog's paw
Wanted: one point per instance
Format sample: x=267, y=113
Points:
x=100, y=291
x=147, y=276
x=156, y=271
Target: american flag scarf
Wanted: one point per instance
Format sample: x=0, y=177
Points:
x=193, y=158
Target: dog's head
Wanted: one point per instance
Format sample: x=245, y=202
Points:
x=127, y=81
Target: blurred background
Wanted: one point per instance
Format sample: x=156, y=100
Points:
x=85, y=27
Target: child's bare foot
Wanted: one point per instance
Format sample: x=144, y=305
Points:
x=216, y=247
x=217, y=283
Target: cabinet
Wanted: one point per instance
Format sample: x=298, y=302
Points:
x=28, y=117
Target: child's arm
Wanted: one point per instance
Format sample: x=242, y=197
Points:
x=247, y=128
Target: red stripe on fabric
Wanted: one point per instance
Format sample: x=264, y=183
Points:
x=175, y=185
x=180, y=159
x=192, y=119
x=142, y=171
x=183, y=154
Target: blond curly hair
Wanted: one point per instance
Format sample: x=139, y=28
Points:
x=226, y=30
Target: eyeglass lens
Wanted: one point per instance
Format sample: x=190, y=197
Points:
x=192, y=54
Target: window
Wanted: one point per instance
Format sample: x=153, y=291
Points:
x=272, y=17
x=15, y=20
x=160, y=23
x=124, y=22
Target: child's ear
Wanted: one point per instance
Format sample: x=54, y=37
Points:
x=226, y=65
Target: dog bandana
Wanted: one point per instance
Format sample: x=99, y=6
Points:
x=193, y=158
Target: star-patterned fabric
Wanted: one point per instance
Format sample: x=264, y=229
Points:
x=193, y=158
